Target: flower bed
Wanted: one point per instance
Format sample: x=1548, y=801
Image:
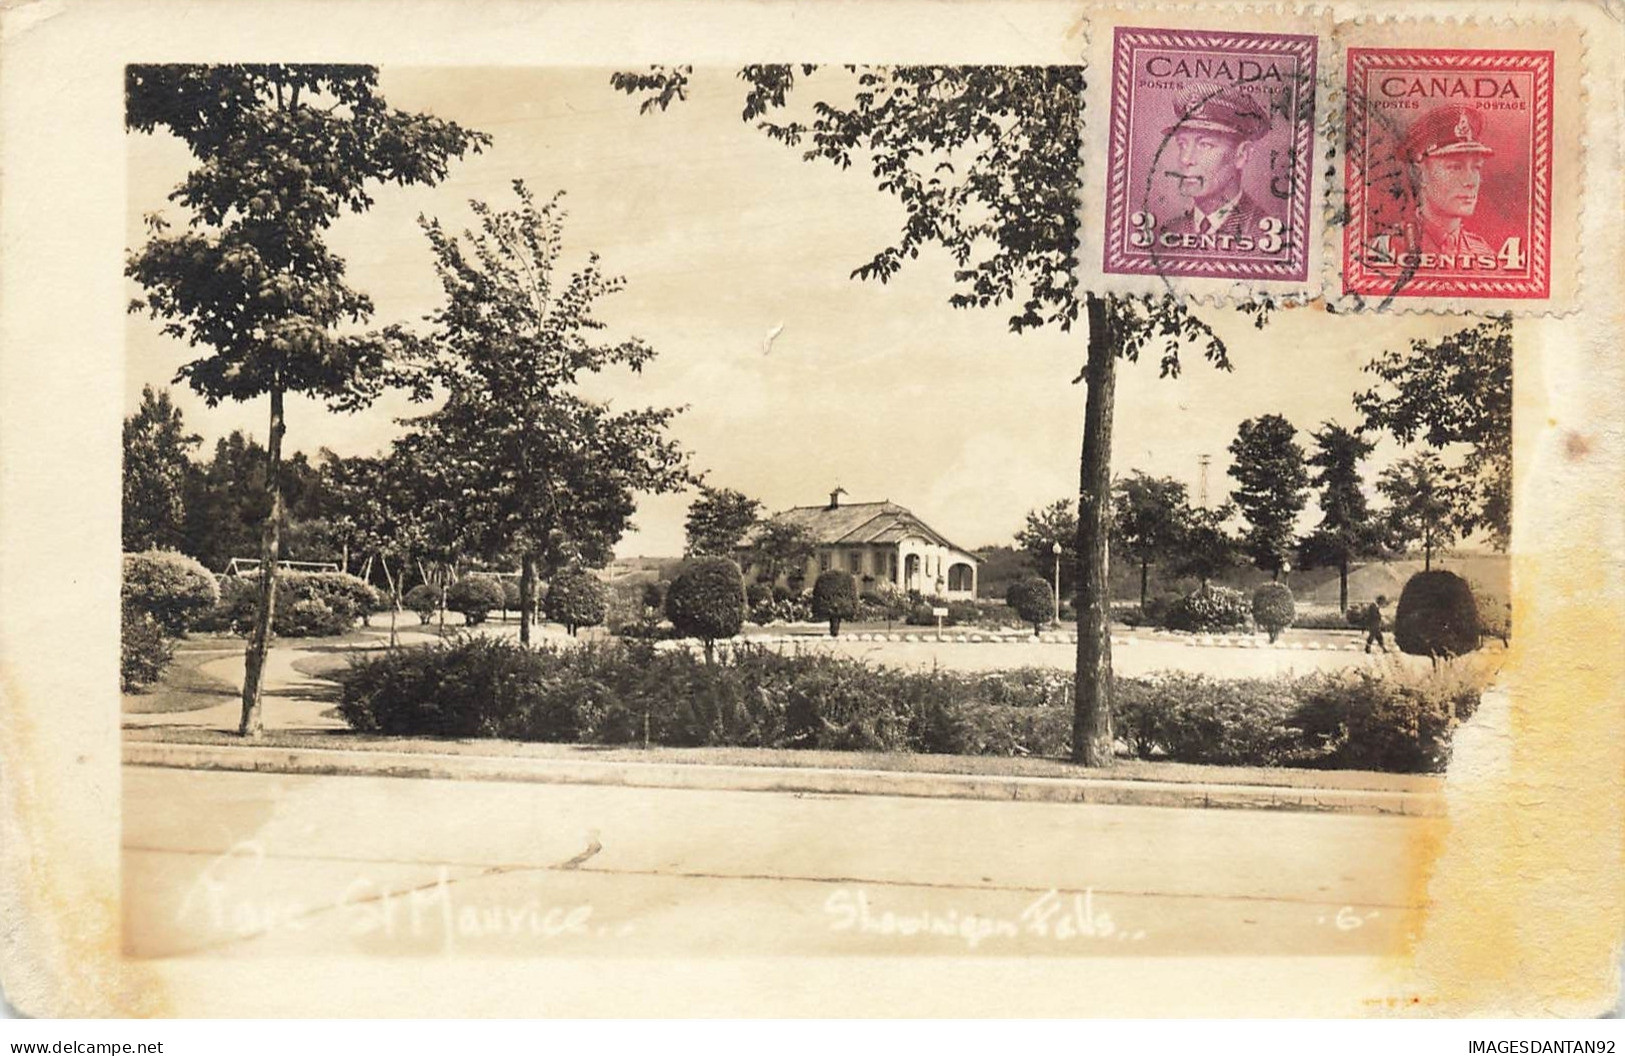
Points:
x=622, y=692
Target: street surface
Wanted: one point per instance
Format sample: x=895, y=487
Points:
x=249, y=864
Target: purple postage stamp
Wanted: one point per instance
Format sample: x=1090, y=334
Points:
x=1211, y=155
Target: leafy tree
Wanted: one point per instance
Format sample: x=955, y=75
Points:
x=1206, y=549
x=156, y=447
x=718, y=519
x=1271, y=487
x=1149, y=519
x=227, y=500
x=1423, y=504
x=523, y=461
x=282, y=151
x=387, y=509
x=1457, y=390
x=984, y=161
x=781, y=548
x=707, y=601
x=834, y=598
x=1347, y=529
x=1046, y=526
x=576, y=598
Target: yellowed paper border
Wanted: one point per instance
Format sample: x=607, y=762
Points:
x=1526, y=891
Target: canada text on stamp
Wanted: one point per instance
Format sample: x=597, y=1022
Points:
x=1449, y=173
x=1210, y=158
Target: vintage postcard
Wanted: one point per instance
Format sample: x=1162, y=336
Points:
x=785, y=509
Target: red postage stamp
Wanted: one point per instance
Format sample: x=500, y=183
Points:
x=1211, y=154
x=1449, y=173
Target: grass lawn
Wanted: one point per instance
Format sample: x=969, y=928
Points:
x=183, y=686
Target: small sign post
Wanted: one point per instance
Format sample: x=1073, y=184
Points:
x=939, y=612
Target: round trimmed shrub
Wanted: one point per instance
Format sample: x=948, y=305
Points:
x=474, y=597
x=707, y=600
x=834, y=598
x=1207, y=608
x=350, y=597
x=1033, y=600
x=1437, y=616
x=510, y=593
x=423, y=600
x=307, y=617
x=1273, y=608
x=175, y=590
x=758, y=595
x=576, y=598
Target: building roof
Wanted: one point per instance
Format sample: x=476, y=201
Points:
x=858, y=524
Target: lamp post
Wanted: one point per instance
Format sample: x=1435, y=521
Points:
x=1055, y=548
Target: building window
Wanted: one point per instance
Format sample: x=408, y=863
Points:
x=855, y=561
x=823, y=561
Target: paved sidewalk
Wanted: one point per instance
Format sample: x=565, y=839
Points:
x=1292, y=790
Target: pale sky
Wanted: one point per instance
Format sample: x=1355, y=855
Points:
x=723, y=236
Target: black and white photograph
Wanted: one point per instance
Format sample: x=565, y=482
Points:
x=695, y=452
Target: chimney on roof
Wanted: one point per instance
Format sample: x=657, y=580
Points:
x=835, y=497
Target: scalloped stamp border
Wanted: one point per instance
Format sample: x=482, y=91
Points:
x=1461, y=177
x=1211, y=158
x=1449, y=173
x=1141, y=230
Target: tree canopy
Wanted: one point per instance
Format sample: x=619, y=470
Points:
x=1270, y=487
x=156, y=446
x=718, y=519
x=283, y=151
x=1150, y=516
x=1423, y=503
x=1347, y=528
x=782, y=548
x=1456, y=390
x=521, y=461
x=1045, y=527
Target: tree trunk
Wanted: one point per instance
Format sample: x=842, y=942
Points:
x=394, y=597
x=1145, y=576
x=527, y=590
x=1427, y=555
x=1092, y=710
x=1343, y=586
x=259, y=641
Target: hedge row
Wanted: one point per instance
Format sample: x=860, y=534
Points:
x=308, y=604
x=621, y=692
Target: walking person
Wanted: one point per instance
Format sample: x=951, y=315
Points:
x=1373, y=624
